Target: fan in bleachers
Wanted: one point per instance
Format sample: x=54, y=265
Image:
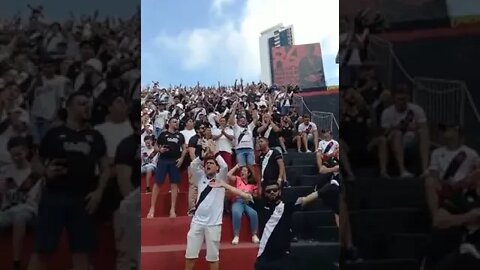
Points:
x=43, y=64
x=251, y=127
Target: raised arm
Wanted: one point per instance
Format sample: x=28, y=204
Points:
x=231, y=173
x=221, y=184
x=231, y=119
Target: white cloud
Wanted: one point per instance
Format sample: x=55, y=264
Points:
x=218, y=5
x=234, y=47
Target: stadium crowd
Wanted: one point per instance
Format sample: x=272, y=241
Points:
x=69, y=134
x=244, y=125
x=384, y=129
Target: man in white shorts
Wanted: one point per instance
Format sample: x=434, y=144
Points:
x=206, y=223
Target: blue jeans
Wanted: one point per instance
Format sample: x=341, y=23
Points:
x=238, y=208
x=245, y=156
x=40, y=128
x=156, y=132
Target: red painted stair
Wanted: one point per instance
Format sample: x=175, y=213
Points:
x=173, y=231
x=172, y=257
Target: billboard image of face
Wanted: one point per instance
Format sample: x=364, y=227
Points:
x=300, y=65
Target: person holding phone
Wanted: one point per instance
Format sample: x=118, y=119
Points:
x=70, y=154
x=172, y=149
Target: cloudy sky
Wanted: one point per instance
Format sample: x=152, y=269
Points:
x=212, y=40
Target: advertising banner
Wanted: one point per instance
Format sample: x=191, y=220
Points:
x=300, y=65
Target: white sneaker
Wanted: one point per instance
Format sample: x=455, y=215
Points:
x=255, y=239
x=308, y=151
x=235, y=240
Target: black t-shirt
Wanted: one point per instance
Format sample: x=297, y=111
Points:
x=273, y=140
x=129, y=153
x=287, y=131
x=278, y=234
x=196, y=143
x=81, y=151
x=272, y=170
x=174, y=142
x=355, y=130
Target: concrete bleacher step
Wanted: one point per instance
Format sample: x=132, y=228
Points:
x=102, y=258
x=293, y=154
x=314, y=255
x=306, y=254
x=169, y=257
x=162, y=208
x=380, y=221
x=385, y=264
x=291, y=194
x=294, y=173
x=305, y=223
x=313, y=180
x=374, y=193
x=173, y=231
x=327, y=234
x=307, y=160
x=408, y=245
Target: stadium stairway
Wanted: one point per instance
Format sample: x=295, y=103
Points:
x=103, y=258
x=389, y=221
x=164, y=239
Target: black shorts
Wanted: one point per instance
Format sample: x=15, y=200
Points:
x=284, y=263
x=57, y=212
x=330, y=194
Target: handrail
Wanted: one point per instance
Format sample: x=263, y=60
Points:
x=411, y=79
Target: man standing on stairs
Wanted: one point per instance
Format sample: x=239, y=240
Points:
x=271, y=161
x=206, y=223
x=194, y=151
x=243, y=133
x=171, y=146
x=274, y=218
x=69, y=155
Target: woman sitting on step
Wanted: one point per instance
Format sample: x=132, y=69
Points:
x=246, y=183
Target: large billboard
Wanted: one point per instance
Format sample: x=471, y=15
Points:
x=300, y=65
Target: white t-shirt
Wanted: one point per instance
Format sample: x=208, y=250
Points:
x=211, y=119
x=114, y=133
x=160, y=119
x=210, y=211
x=322, y=146
x=441, y=158
x=146, y=152
x=391, y=117
x=247, y=138
x=188, y=134
x=223, y=143
x=19, y=176
x=48, y=97
x=309, y=128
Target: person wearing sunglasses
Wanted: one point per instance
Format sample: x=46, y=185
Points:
x=274, y=216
